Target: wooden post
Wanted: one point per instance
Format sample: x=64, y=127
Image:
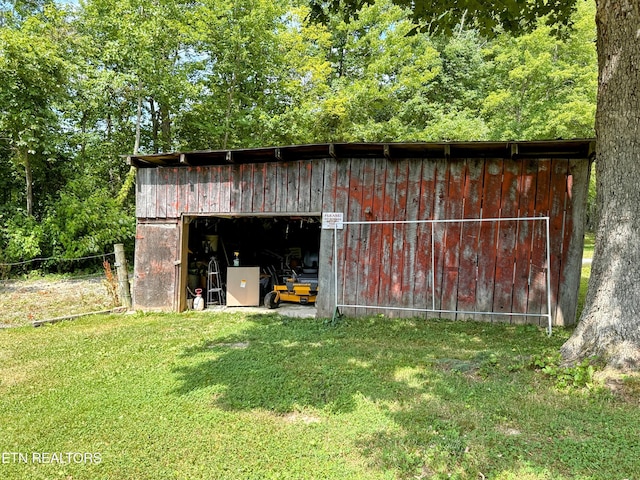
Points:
x=123, y=275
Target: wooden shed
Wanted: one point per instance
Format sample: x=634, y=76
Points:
x=402, y=248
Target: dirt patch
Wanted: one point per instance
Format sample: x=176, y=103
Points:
x=23, y=301
x=296, y=417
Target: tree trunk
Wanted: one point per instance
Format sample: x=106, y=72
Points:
x=165, y=125
x=154, y=125
x=227, y=120
x=610, y=324
x=28, y=176
x=136, y=143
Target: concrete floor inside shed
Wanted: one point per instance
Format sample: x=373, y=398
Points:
x=285, y=309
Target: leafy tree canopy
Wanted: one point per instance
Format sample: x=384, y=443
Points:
x=488, y=16
x=82, y=86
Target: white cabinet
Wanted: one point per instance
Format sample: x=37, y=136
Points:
x=243, y=286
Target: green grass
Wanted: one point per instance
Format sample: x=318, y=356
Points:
x=584, y=284
x=235, y=396
x=589, y=245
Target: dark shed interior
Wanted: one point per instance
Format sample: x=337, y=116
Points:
x=279, y=245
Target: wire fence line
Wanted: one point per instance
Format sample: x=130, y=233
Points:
x=67, y=278
x=58, y=259
x=340, y=276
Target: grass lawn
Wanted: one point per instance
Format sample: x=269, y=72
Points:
x=584, y=284
x=239, y=396
x=589, y=245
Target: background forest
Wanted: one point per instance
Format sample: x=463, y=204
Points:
x=83, y=84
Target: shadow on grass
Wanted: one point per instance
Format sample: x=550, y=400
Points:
x=441, y=383
x=282, y=364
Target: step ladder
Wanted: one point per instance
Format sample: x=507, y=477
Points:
x=215, y=292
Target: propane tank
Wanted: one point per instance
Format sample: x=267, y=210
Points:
x=198, y=302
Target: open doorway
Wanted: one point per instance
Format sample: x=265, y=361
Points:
x=279, y=246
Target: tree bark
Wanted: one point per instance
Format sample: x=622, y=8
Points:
x=154, y=125
x=165, y=127
x=227, y=120
x=28, y=175
x=136, y=144
x=610, y=324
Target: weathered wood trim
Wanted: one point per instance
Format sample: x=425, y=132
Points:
x=317, y=185
x=366, y=185
x=353, y=241
x=410, y=239
x=536, y=303
x=558, y=226
x=341, y=193
x=39, y=323
x=204, y=180
x=155, y=277
x=453, y=208
x=172, y=194
x=295, y=187
x=506, y=246
x=571, y=270
x=258, y=188
x=332, y=150
x=492, y=196
x=377, y=260
x=325, y=300
x=400, y=249
x=526, y=208
x=182, y=268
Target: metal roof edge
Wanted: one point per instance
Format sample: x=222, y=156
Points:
x=558, y=148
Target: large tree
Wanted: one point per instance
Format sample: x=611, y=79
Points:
x=610, y=324
x=240, y=73
x=34, y=73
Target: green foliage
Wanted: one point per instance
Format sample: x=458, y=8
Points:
x=34, y=71
x=387, y=85
x=87, y=220
x=542, y=86
x=239, y=76
x=577, y=376
x=489, y=16
x=138, y=52
x=21, y=237
x=84, y=84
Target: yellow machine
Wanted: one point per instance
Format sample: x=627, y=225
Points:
x=297, y=289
